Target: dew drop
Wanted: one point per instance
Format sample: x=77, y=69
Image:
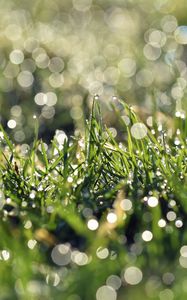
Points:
x=106, y=292
x=181, y=35
x=96, y=97
x=147, y=236
x=152, y=201
x=139, y=131
x=133, y=275
x=111, y=217
x=92, y=224
x=53, y=279
x=114, y=98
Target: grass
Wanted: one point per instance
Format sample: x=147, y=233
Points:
x=78, y=214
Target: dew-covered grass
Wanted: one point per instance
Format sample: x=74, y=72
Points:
x=93, y=216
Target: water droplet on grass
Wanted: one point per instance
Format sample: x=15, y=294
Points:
x=138, y=130
x=181, y=35
x=171, y=216
x=114, y=98
x=92, y=224
x=133, y=275
x=183, y=261
x=178, y=223
x=114, y=281
x=80, y=258
x=152, y=201
x=126, y=204
x=111, y=217
x=52, y=279
x=106, y=292
x=162, y=223
x=126, y=120
x=31, y=244
x=147, y=236
x=96, y=97
x=102, y=253
x=28, y=224
x=183, y=251
x=5, y=255
x=1, y=135
x=61, y=254
x=177, y=141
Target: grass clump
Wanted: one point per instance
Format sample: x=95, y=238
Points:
x=94, y=216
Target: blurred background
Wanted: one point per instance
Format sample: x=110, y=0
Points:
x=56, y=55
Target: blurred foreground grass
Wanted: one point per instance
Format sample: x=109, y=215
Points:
x=87, y=217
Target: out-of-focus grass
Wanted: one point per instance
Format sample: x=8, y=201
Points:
x=53, y=61
x=88, y=217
